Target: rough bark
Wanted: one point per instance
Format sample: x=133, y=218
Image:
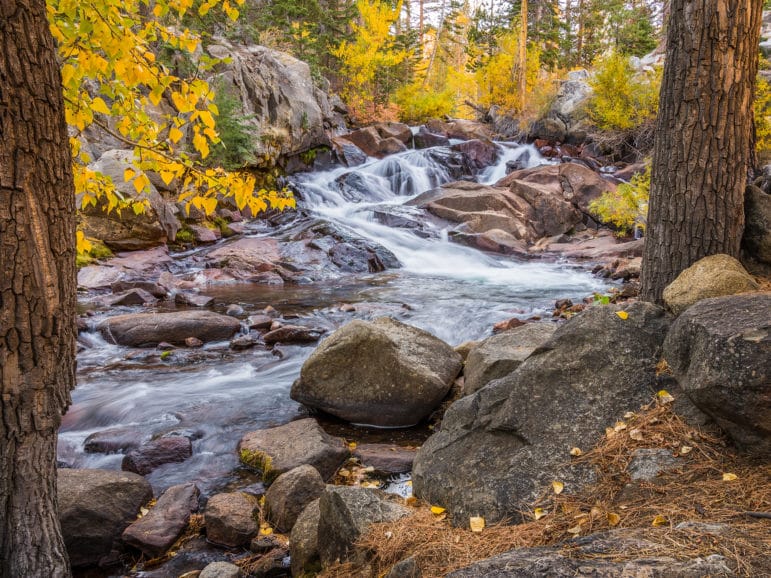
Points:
x=37, y=290
x=702, y=151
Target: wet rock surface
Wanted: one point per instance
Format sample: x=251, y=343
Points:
x=151, y=455
x=150, y=329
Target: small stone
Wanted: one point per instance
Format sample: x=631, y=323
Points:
x=234, y=310
x=165, y=346
x=508, y=324
x=130, y=297
x=276, y=325
x=244, y=342
x=347, y=308
x=259, y=322
x=270, y=311
x=193, y=299
x=293, y=334
x=385, y=459
x=264, y=544
x=220, y=570
x=193, y=342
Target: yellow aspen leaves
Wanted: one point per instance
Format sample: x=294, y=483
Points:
x=659, y=521
x=539, y=513
x=729, y=477
x=613, y=519
x=575, y=452
x=436, y=510
x=622, y=314
x=665, y=397
x=476, y=523
x=557, y=487
x=685, y=450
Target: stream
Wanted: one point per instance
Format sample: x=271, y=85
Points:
x=214, y=395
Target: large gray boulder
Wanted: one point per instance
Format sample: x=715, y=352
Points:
x=603, y=555
x=500, y=447
x=277, y=450
x=290, y=493
x=156, y=531
x=95, y=506
x=345, y=513
x=150, y=329
x=382, y=373
x=720, y=353
x=499, y=355
x=279, y=99
x=567, y=119
x=712, y=276
x=123, y=230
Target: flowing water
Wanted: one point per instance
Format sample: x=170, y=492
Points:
x=215, y=395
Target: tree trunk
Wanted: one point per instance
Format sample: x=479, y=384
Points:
x=523, y=56
x=37, y=291
x=702, y=150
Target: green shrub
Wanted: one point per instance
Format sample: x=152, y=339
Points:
x=184, y=236
x=627, y=206
x=622, y=99
x=236, y=147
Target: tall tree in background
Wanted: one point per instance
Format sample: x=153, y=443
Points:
x=523, y=53
x=703, y=141
x=37, y=290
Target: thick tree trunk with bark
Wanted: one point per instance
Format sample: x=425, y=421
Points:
x=702, y=151
x=37, y=291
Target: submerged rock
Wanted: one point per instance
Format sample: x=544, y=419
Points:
x=277, y=450
x=382, y=373
x=149, y=456
x=499, y=447
x=150, y=329
x=95, y=507
x=720, y=353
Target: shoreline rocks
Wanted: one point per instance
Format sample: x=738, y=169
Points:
x=150, y=329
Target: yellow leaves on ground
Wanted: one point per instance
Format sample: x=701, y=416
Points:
x=664, y=397
x=265, y=529
x=622, y=314
x=659, y=521
x=476, y=523
x=575, y=452
x=557, y=487
x=539, y=513
x=613, y=519
x=729, y=477
x=437, y=510
x=685, y=450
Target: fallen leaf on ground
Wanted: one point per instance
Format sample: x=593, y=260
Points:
x=557, y=487
x=476, y=523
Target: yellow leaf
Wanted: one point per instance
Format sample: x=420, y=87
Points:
x=167, y=176
x=685, y=450
x=539, y=513
x=140, y=182
x=209, y=205
x=729, y=477
x=636, y=435
x=175, y=134
x=266, y=531
x=665, y=397
x=83, y=244
x=575, y=530
x=557, y=487
x=476, y=523
x=659, y=520
x=613, y=519
x=620, y=426
x=622, y=314
x=575, y=452
x=98, y=105
x=129, y=174
x=437, y=510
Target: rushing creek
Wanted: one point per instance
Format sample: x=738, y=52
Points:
x=216, y=394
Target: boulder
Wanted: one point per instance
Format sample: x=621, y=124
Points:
x=156, y=531
x=397, y=130
x=757, y=224
x=711, y=276
x=130, y=297
x=381, y=373
x=345, y=513
x=501, y=446
x=122, y=230
x=575, y=183
x=280, y=449
x=230, y=519
x=303, y=542
x=566, y=120
x=149, y=456
x=460, y=129
x=290, y=493
x=220, y=570
x=371, y=141
x=114, y=440
x=95, y=506
x=150, y=329
x=348, y=153
x=604, y=555
x=425, y=139
x=720, y=353
x=407, y=568
x=280, y=102
x=499, y=355
x=386, y=459
x=477, y=153
x=293, y=334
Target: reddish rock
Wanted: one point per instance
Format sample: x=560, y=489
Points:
x=259, y=322
x=156, y=531
x=508, y=324
x=293, y=334
x=154, y=454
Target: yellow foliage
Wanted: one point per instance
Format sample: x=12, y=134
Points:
x=622, y=100
x=417, y=105
x=111, y=79
x=367, y=60
x=763, y=118
x=627, y=206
